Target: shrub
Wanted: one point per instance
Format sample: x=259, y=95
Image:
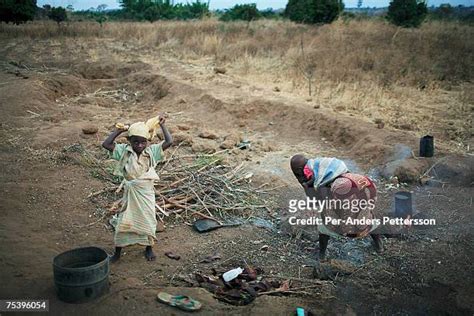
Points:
x=17, y=11
x=407, y=13
x=163, y=10
x=313, y=11
x=58, y=14
x=245, y=12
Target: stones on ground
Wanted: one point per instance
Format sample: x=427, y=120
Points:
x=172, y=129
x=208, y=134
x=172, y=255
x=220, y=70
x=160, y=227
x=264, y=146
x=379, y=123
x=90, y=129
x=406, y=126
x=231, y=141
x=328, y=270
x=204, y=146
x=209, y=259
x=180, y=137
x=183, y=127
x=85, y=100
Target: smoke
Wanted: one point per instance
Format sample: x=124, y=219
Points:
x=400, y=154
x=373, y=173
x=352, y=166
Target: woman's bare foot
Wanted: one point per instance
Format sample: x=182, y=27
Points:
x=116, y=255
x=323, y=245
x=378, y=244
x=114, y=258
x=149, y=254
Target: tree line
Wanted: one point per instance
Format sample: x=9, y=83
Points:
x=404, y=13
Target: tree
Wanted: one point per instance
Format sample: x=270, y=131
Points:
x=246, y=12
x=152, y=13
x=101, y=8
x=197, y=10
x=313, y=11
x=326, y=11
x=99, y=15
x=269, y=13
x=153, y=10
x=58, y=14
x=298, y=11
x=444, y=11
x=17, y=11
x=407, y=13
x=128, y=5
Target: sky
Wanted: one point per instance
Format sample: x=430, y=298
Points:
x=225, y=4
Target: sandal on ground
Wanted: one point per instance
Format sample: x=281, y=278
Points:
x=183, y=302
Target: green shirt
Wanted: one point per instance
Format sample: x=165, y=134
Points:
x=132, y=165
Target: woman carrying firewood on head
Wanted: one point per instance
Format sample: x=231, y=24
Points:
x=136, y=164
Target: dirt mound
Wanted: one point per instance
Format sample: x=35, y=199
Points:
x=406, y=170
x=15, y=104
x=456, y=170
x=370, y=145
x=108, y=69
x=362, y=140
x=213, y=103
x=134, y=77
x=204, y=146
x=152, y=85
x=63, y=85
x=440, y=169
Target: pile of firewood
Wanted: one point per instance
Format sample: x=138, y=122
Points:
x=206, y=187
x=202, y=185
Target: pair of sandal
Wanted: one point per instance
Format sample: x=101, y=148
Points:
x=183, y=302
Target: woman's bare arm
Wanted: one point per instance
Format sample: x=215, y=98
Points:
x=166, y=134
x=109, y=142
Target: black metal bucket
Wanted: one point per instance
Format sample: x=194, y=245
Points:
x=81, y=274
x=403, y=204
x=427, y=146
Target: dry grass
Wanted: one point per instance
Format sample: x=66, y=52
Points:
x=414, y=79
x=351, y=52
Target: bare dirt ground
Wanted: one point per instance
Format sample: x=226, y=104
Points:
x=45, y=207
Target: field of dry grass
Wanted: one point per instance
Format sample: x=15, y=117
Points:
x=418, y=80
